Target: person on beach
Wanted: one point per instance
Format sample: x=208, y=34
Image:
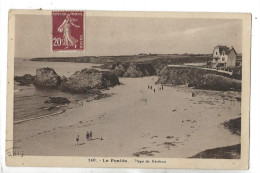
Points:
x=193, y=94
x=77, y=140
x=151, y=87
x=148, y=87
x=90, y=135
x=87, y=135
x=154, y=90
x=162, y=87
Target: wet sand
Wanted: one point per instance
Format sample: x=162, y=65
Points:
x=135, y=121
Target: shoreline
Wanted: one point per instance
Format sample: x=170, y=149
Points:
x=39, y=117
x=134, y=120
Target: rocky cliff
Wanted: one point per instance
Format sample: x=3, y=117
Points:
x=198, y=78
x=133, y=70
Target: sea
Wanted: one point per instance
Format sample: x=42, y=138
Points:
x=29, y=101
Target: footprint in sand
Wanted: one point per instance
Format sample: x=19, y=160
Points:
x=145, y=153
x=154, y=137
x=143, y=148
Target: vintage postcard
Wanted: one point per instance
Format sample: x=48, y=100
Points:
x=128, y=89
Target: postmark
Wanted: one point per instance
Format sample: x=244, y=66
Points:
x=68, y=31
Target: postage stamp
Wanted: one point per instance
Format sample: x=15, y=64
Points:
x=68, y=31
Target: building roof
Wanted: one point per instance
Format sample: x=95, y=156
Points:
x=226, y=49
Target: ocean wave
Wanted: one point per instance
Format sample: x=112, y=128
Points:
x=39, y=117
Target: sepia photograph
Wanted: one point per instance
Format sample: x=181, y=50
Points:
x=128, y=87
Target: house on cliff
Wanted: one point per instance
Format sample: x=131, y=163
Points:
x=224, y=56
x=239, y=60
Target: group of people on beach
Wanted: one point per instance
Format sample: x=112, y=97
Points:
x=151, y=87
x=88, y=137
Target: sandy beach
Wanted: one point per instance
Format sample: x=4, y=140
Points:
x=135, y=121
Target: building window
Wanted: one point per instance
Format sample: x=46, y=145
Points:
x=216, y=53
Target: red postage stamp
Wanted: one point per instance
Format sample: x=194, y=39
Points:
x=68, y=31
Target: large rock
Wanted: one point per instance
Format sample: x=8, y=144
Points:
x=87, y=79
x=25, y=79
x=47, y=77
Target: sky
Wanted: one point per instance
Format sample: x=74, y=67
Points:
x=106, y=36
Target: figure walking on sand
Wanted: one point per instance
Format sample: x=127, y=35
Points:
x=87, y=136
x=77, y=140
x=90, y=135
x=65, y=27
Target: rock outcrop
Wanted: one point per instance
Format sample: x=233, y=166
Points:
x=120, y=69
x=58, y=100
x=134, y=70
x=229, y=152
x=47, y=77
x=198, y=78
x=87, y=79
x=234, y=126
x=217, y=82
x=25, y=79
